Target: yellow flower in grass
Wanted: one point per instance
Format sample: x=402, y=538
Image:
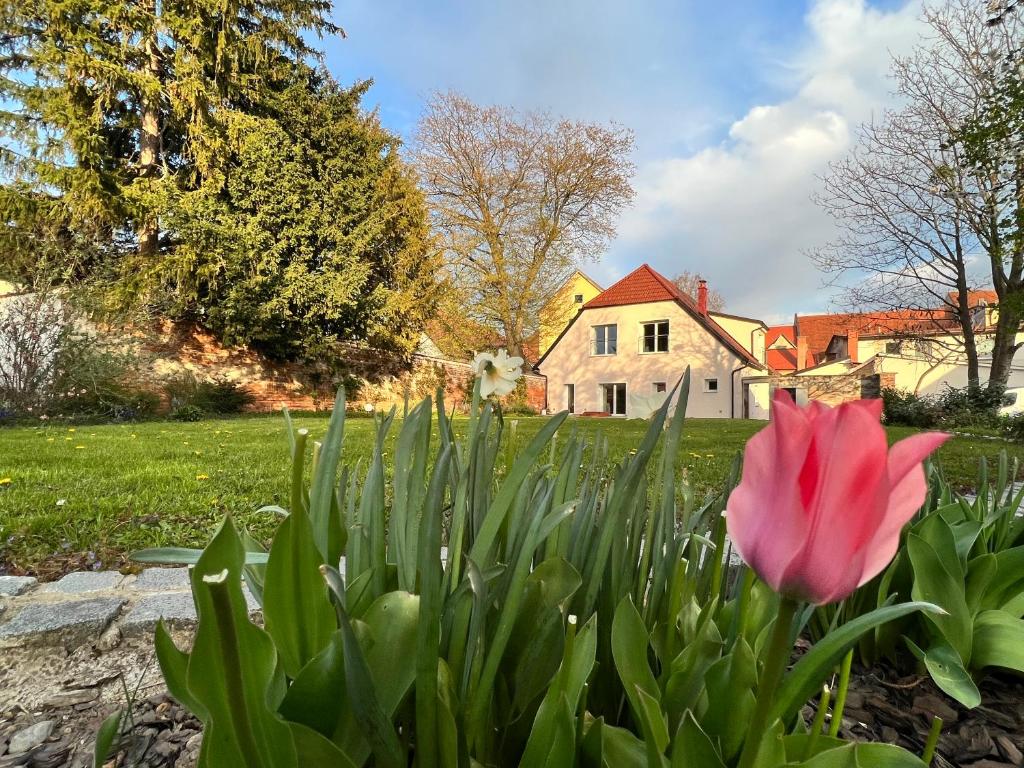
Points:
x=71, y=429
x=49, y=439
x=5, y=481
x=79, y=446
x=202, y=477
x=68, y=439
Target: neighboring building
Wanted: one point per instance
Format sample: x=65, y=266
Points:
x=636, y=339
x=561, y=309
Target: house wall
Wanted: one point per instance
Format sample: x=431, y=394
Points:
x=928, y=366
x=562, y=308
x=571, y=361
x=749, y=333
x=830, y=389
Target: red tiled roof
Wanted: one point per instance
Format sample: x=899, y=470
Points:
x=819, y=329
x=781, y=359
x=974, y=298
x=774, y=331
x=643, y=285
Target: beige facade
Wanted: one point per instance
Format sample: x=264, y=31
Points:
x=562, y=308
x=578, y=375
x=747, y=331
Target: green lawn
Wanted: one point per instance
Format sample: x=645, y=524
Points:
x=108, y=489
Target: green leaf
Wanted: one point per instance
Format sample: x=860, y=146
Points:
x=174, y=666
x=864, y=756
x=630, y=643
x=296, y=608
x=692, y=747
x=935, y=584
x=948, y=672
x=385, y=660
x=105, y=737
x=232, y=668
x=313, y=749
x=314, y=698
x=807, y=674
x=654, y=726
x=323, y=508
x=185, y=556
x=552, y=740
x=999, y=641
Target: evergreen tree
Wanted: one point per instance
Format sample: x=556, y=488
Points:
x=110, y=106
x=319, y=232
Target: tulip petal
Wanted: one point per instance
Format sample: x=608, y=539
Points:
x=843, y=482
x=765, y=517
x=907, y=489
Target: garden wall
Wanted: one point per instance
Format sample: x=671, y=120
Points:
x=381, y=383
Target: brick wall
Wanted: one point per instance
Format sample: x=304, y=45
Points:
x=176, y=349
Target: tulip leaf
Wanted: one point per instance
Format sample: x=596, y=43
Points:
x=105, y=738
x=807, y=674
x=999, y=641
x=693, y=747
x=315, y=697
x=174, y=666
x=934, y=583
x=233, y=666
x=186, y=556
x=386, y=669
x=864, y=755
x=947, y=670
x=552, y=738
x=296, y=608
x=630, y=644
x=314, y=749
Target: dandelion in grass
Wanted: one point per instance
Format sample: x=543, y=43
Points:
x=68, y=439
x=202, y=477
x=5, y=481
x=78, y=447
x=49, y=439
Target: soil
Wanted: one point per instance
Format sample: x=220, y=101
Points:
x=885, y=706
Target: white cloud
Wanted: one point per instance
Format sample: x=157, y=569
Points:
x=740, y=212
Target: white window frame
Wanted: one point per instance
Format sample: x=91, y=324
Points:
x=625, y=396
x=668, y=337
x=593, y=340
x=707, y=385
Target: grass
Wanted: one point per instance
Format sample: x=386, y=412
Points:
x=81, y=497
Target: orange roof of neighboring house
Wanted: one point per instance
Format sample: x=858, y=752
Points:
x=643, y=285
x=783, y=359
x=819, y=329
x=974, y=298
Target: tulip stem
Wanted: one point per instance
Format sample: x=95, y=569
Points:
x=776, y=661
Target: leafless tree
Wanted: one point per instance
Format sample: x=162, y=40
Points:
x=520, y=200
x=916, y=217
x=688, y=282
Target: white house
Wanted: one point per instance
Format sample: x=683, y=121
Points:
x=634, y=340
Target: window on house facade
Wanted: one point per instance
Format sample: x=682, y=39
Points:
x=710, y=385
x=892, y=347
x=654, y=337
x=659, y=386
x=614, y=398
x=605, y=340
x=578, y=298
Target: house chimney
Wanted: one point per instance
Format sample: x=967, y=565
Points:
x=702, y=296
x=801, y=353
x=852, y=339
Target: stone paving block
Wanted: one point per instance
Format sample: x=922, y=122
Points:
x=67, y=620
x=85, y=581
x=162, y=580
x=175, y=608
x=11, y=586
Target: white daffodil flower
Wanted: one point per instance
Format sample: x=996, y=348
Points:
x=498, y=372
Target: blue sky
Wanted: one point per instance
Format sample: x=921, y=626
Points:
x=737, y=107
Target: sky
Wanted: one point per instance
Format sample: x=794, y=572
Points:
x=737, y=107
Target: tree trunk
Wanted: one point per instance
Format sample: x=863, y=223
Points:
x=1004, y=347
x=963, y=312
x=149, y=145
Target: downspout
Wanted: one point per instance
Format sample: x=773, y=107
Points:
x=732, y=390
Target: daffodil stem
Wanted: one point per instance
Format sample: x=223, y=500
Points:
x=776, y=661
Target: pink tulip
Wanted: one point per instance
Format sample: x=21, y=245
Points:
x=822, y=500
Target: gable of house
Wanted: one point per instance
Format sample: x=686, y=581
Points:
x=562, y=307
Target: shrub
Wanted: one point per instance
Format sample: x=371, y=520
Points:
x=908, y=409
x=1013, y=428
x=219, y=396
x=187, y=413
